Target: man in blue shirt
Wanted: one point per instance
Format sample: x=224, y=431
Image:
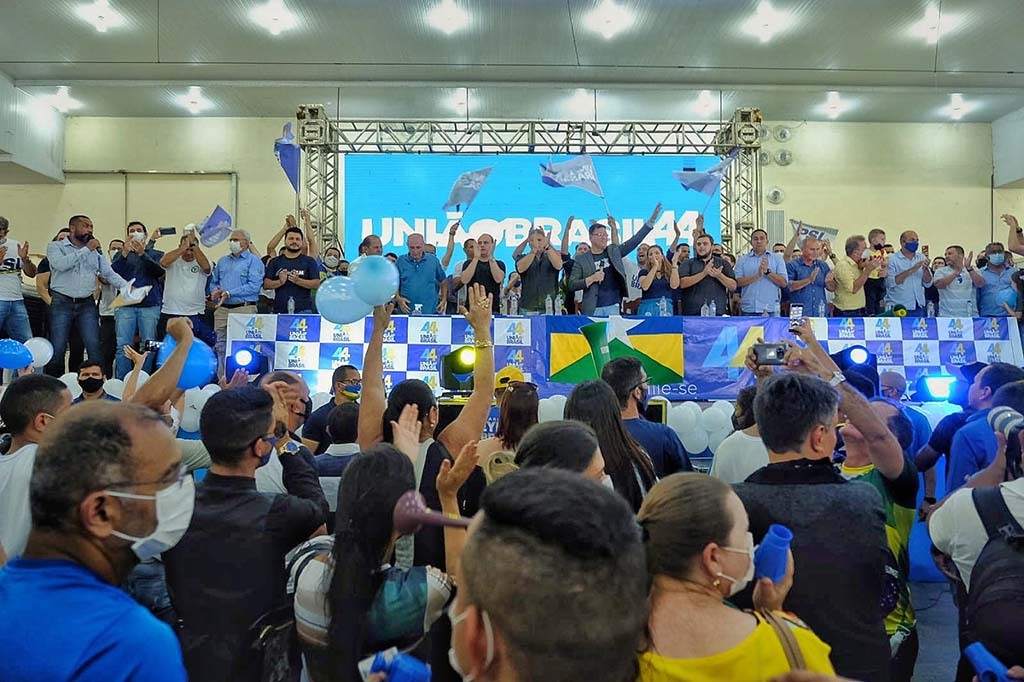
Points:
x=75, y=262
x=908, y=275
x=974, y=445
x=628, y=380
x=108, y=489
x=997, y=298
x=421, y=280
x=235, y=287
x=292, y=276
x=140, y=262
x=809, y=278
x=894, y=387
x=762, y=276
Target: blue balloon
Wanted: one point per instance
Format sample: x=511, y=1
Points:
x=14, y=354
x=200, y=365
x=337, y=302
x=376, y=279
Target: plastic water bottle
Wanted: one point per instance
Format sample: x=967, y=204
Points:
x=513, y=303
x=930, y=309
x=821, y=309
x=777, y=309
x=503, y=305
x=662, y=307
x=772, y=555
x=713, y=309
x=972, y=310
x=559, y=304
x=291, y=305
x=549, y=305
x=704, y=310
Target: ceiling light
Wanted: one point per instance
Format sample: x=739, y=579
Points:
x=274, y=17
x=766, y=22
x=934, y=25
x=581, y=104
x=61, y=100
x=448, y=17
x=459, y=102
x=101, y=15
x=608, y=19
x=958, y=107
x=194, y=101
x=834, y=105
x=705, y=103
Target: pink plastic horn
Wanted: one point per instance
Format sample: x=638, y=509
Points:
x=411, y=514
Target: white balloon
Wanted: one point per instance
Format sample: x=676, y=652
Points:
x=712, y=420
x=548, y=411
x=114, y=387
x=724, y=406
x=691, y=407
x=143, y=378
x=681, y=420
x=41, y=349
x=190, y=419
x=71, y=381
x=193, y=398
x=320, y=399
x=695, y=442
x=716, y=438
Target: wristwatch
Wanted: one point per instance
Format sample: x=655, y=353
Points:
x=290, y=448
x=837, y=378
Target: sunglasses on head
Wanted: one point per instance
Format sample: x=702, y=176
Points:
x=522, y=386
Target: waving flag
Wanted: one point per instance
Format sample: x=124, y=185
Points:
x=580, y=353
x=215, y=228
x=576, y=172
x=466, y=187
x=288, y=154
x=706, y=182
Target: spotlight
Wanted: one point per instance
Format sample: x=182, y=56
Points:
x=457, y=369
x=252, y=360
x=853, y=356
x=862, y=364
x=935, y=388
x=859, y=356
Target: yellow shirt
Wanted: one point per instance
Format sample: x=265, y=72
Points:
x=882, y=272
x=758, y=658
x=847, y=271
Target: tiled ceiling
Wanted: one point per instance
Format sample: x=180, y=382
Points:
x=522, y=58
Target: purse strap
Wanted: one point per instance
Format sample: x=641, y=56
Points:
x=790, y=646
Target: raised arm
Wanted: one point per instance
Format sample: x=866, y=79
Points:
x=311, y=241
x=449, y=250
x=27, y=266
x=1014, y=239
x=162, y=385
x=792, y=243
x=472, y=420
x=554, y=255
x=630, y=244
x=171, y=256
x=279, y=235
x=372, y=400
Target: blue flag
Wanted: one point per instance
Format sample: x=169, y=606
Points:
x=466, y=188
x=576, y=172
x=288, y=154
x=706, y=182
x=215, y=228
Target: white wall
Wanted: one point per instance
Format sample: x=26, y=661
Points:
x=1008, y=149
x=934, y=178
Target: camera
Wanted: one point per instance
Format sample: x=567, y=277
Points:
x=770, y=353
x=150, y=346
x=1009, y=422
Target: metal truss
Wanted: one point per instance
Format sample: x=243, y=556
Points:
x=325, y=140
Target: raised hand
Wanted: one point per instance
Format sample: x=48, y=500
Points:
x=814, y=273
x=699, y=229
x=282, y=275
x=136, y=246
x=677, y=257
x=238, y=379
x=479, y=313
x=93, y=244
x=675, y=228
x=23, y=251
x=830, y=277
x=382, y=315
x=405, y=433
x=454, y=228
x=769, y=595
x=136, y=357
x=453, y=476
x=180, y=328
x=967, y=263
x=289, y=221
x=3, y=253
x=1010, y=220
x=764, y=265
x=654, y=214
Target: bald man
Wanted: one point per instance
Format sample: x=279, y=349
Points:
x=809, y=279
x=894, y=387
x=909, y=274
x=422, y=288
x=485, y=270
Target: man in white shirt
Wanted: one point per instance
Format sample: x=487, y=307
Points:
x=956, y=283
x=28, y=407
x=14, y=260
x=187, y=270
x=742, y=452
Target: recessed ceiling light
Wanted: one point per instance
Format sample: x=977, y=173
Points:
x=766, y=22
x=609, y=19
x=834, y=105
x=958, y=107
x=101, y=15
x=61, y=100
x=448, y=17
x=705, y=103
x=934, y=25
x=274, y=17
x=194, y=100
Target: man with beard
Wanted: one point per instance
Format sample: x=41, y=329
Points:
x=292, y=276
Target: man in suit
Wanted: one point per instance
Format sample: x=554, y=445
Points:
x=600, y=273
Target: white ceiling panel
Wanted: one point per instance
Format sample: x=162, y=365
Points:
x=987, y=36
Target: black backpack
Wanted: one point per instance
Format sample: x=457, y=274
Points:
x=994, y=610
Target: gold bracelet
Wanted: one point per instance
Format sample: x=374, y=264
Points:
x=452, y=515
x=482, y=344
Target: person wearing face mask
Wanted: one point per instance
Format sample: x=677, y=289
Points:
x=838, y=527
x=742, y=452
x=234, y=525
x=346, y=384
x=91, y=379
x=908, y=275
x=270, y=478
x=700, y=552
x=551, y=582
x=235, y=287
x=874, y=286
x=140, y=262
x=333, y=264
x=108, y=490
x=628, y=379
x=28, y=407
x=14, y=260
x=997, y=297
x=188, y=270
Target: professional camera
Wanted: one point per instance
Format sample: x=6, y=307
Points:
x=1009, y=422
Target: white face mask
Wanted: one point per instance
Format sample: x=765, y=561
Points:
x=235, y=246
x=139, y=236
x=174, y=506
x=607, y=482
x=453, y=659
x=331, y=261
x=738, y=585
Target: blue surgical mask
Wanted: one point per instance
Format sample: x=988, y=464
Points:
x=997, y=259
x=912, y=246
x=265, y=459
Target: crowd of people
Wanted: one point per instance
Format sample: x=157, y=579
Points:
x=282, y=544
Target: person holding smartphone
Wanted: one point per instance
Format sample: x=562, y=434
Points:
x=138, y=260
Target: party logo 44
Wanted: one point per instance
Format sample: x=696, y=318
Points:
x=919, y=329
x=342, y=356
x=428, y=332
x=847, y=329
x=389, y=333
x=428, y=360
x=993, y=329
x=299, y=330
x=254, y=328
x=958, y=355
x=956, y=328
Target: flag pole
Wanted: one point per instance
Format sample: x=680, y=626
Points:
x=708, y=203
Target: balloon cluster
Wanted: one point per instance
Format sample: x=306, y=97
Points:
x=36, y=352
x=701, y=430
x=195, y=399
x=371, y=281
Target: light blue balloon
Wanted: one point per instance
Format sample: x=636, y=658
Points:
x=200, y=365
x=14, y=354
x=337, y=302
x=376, y=279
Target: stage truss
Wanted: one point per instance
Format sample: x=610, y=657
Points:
x=324, y=141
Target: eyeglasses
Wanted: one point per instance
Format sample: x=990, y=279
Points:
x=349, y=382
x=174, y=479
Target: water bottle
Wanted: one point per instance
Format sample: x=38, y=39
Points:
x=549, y=305
x=777, y=309
x=713, y=309
x=772, y=554
x=704, y=310
x=503, y=305
x=559, y=304
x=662, y=307
x=972, y=310
x=988, y=667
x=417, y=309
x=513, y=303
x=398, y=667
x=291, y=305
x=821, y=309
x=930, y=309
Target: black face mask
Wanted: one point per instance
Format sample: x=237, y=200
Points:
x=91, y=384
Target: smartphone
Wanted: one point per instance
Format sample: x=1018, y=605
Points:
x=168, y=230
x=767, y=354
x=796, y=315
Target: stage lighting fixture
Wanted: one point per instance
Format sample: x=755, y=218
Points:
x=252, y=360
x=457, y=369
x=854, y=356
x=935, y=388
